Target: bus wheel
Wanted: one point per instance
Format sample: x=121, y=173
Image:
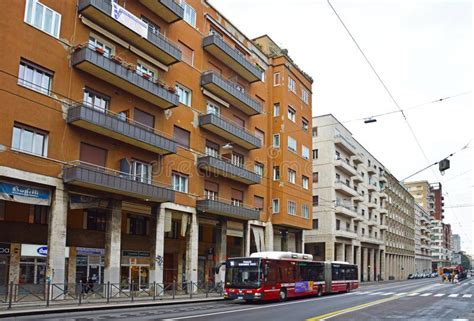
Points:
x=320, y=291
x=348, y=289
x=283, y=295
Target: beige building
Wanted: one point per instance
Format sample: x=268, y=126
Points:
x=423, y=258
x=348, y=201
x=400, y=236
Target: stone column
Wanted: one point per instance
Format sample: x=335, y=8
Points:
x=192, y=242
x=340, y=251
x=268, y=237
x=221, y=249
x=56, y=261
x=158, y=245
x=358, y=261
x=382, y=265
x=329, y=251
x=14, y=270
x=113, y=235
x=377, y=265
x=71, y=271
x=365, y=263
x=350, y=253
x=248, y=234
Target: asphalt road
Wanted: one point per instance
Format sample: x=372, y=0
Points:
x=423, y=299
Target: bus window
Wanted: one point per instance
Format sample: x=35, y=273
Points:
x=320, y=272
x=292, y=272
x=342, y=273
x=336, y=275
x=270, y=273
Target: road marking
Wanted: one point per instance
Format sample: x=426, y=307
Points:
x=455, y=295
x=388, y=293
x=376, y=293
x=467, y=296
x=413, y=294
x=426, y=294
x=347, y=310
x=439, y=294
x=361, y=292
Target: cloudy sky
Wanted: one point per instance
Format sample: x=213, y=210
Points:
x=423, y=52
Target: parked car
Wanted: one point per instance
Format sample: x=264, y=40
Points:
x=410, y=276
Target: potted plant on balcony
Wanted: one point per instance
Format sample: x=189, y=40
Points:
x=99, y=50
x=146, y=75
x=160, y=83
x=172, y=89
x=116, y=59
x=78, y=47
x=130, y=67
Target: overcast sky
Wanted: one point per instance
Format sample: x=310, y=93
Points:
x=423, y=52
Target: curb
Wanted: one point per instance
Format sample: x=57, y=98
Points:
x=53, y=310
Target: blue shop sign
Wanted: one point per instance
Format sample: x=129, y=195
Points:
x=25, y=194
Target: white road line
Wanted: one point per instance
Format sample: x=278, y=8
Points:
x=402, y=293
x=454, y=295
x=361, y=292
x=376, y=293
x=439, y=295
x=426, y=294
x=389, y=293
x=467, y=296
x=413, y=294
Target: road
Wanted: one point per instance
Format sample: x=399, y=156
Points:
x=423, y=299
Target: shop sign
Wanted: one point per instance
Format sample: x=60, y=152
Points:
x=25, y=194
x=136, y=253
x=89, y=251
x=5, y=249
x=129, y=20
x=77, y=201
x=38, y=250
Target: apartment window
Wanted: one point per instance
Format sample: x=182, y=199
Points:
x=96, y=42
x=291, y=114
x=187, y=54
x=185, y=94
x=304, y=124
x=276, y=140
x=315, y=200
x=40, y=214
x=211, y=190
x=276, y=205
x=35, y=77
x=304, y=152
x=291, y=84
x=258, y=202
x=29, y=140
x=40, y=16
x=305, y=182
x=237, y=197
x=189, y=13
x=259, y=168
x=348, y=226
x=291, y=176
x=291, y=144
x=291, y=207
x=260, y=135
x=315, y=154
x=338, y=177
x=146, y=71
x=141, y=172
x=212, y=149
x=315, y=177
x=96, y=100
x=138, y=225
x=356, y=228
x=276, y=110
x=152, y=27
x=314, y=131
x=237, y=159
x=93, y=155
x=276, y=173
x=213, y=108
x=305, y=96
x=338, y=224
x=305, y=211
x=144, y=118
x=363, y=212
x=95, y=219
x=315, y=224
x=181, y=136
x=276, y=79
x=180, y=182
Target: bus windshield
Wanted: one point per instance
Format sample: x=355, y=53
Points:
x=243, y=273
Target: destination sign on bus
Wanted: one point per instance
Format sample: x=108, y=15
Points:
x=243, y=263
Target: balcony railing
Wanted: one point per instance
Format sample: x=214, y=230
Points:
x=230, y=56
x=229, y=91
x=169, y=10
x=345, y=166
x=155, y=44
x=94, y=62
x=126, y=130
x=345, y=143
x=227, y=208
x=226, y=169
x=345, y=188
x=112, y=181
x=229, y=130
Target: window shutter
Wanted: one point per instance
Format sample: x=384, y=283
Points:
x=144, y=118
x=187, y=54
x=211, y=186
x=93, y=155
x=258, y=201
x=181, y=136
x=237, y=195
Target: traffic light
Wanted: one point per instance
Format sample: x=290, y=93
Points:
x=443, y=165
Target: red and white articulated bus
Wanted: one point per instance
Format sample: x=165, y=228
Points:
x=282, y=275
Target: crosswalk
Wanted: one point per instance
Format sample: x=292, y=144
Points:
x=416, y=294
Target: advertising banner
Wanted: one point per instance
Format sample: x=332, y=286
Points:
x=25, y=194
x=129, y=20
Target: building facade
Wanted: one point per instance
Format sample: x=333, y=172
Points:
x=349, y=201
x=423, y=257
x=139, y=141
x=456, y=243
x=400, y=236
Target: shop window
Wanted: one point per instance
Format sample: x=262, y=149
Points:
x=95, y=220
x=40, y=214
x=138, y=225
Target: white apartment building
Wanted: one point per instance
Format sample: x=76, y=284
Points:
x=422, y=240
x=348, y=201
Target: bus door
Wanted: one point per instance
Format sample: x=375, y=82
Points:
x=328, y=276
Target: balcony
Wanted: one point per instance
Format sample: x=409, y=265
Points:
x=372, y=185
x=96, y=64
x=155, y=44
x=371, y=170
x=345, y=189
x=372, y=240
x=382, y=195
x=111, y=181
x=371, y=205
x=358, y=198
x=345, y=167
x=228, y=91
x=127, y=131
x=383, y=179
x=383, y=211
x=227, y=208
x=383, y=227
x=357, y=159
x=226, y=169
x=344, y=233
x=345, y=209
x=231, y=57
x=229, y=130
x=168, y=10
x=356, y=178
x=344, y=143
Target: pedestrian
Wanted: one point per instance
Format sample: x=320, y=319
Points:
x=456, y=279
x=450, y=277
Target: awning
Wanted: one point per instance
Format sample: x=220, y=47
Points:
x=259, y=237
x=25, y=194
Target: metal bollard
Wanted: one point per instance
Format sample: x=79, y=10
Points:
x=80, y=293
x=174, y=289
x=154, y=290
x=108, y=291
x=48, y=285
x=10, y=298
x=131, y=290
x=207, y=289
